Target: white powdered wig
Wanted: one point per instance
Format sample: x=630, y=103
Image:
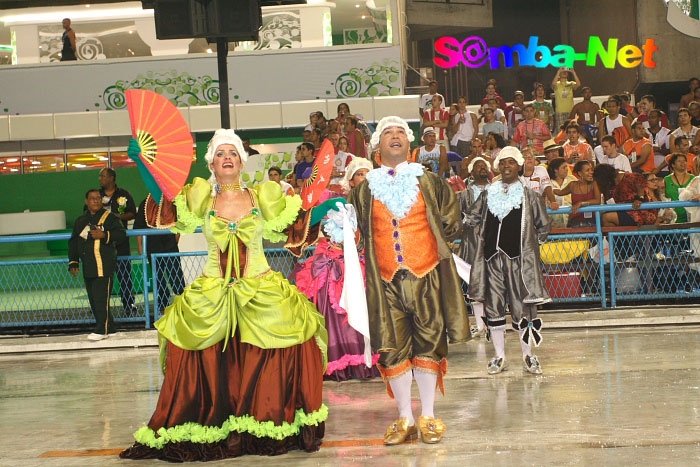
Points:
x=509, y=152
x=388, y=122
x=356, y=164
x=223, y=136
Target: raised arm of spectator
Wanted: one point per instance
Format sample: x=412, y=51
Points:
x=576, y=79
x=551, y=200
x=444, y=169
x=627, y=122
x=475, y=122
x=642, y=158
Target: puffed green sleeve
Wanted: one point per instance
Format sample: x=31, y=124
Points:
x=192, y=204
x=278, y=211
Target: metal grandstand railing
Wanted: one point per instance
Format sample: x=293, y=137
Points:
x=637, y=265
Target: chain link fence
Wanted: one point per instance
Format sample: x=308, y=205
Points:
x=644, y=265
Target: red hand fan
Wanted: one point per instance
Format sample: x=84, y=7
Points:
x=164, y=137
x=320, y=176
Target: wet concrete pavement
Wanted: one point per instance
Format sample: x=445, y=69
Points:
x=607, y=397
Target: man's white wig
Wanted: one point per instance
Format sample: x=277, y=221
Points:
x=509, y=152
x=356, y=164
x=475, y=160
x=388, y=122
x=223, y=136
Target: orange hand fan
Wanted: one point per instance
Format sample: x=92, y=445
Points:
x=320, y=176
x=164, y=138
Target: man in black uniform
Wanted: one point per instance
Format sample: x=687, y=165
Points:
x=120, y=202
x=95, y=236
x=168, y=267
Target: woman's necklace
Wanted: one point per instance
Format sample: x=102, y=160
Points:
x=228, y=187
x=678, y=181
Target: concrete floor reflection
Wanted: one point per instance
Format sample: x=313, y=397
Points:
x=607, y=397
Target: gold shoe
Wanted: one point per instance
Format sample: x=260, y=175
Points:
x=399, y=431
x=431, y=429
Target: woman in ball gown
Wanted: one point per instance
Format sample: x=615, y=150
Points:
x=242, y=350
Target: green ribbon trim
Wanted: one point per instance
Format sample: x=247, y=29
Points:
x=272, y=229
x=196, y=433
x=187, y=221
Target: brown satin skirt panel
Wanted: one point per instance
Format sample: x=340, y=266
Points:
x=208, y=386
x=274, y=383
x=198, y=387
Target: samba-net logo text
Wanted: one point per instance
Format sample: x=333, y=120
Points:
x=474, y=53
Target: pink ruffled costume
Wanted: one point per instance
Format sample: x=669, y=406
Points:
x=321, y=279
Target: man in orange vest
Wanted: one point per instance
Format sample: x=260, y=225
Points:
x=406, y=216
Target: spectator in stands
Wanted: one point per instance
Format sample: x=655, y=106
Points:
x=564, y=94
x=313, y=121
x=93, y=242
x=624, y=187
x=302, y=170
x=614, y=123
x=639, y=149
x=531, y=132
x=552, y=151
x=69, y=51
x=537, y=178
x=343, y=110
x=355, y=138
x=682, y=146
x=612, y=157
x=344, y=145
x=464, y=126
x=514, y=113
x=685, y=128
x=315, y=137
x=656, y=191
x=574, y=148
x=543, y=108
x=586, y=114
x=426, y=100
x=491, y=125
x=274, y=174
x=694, y=109
x=560, y=177
x=476, y=150
x=498, y=113
x=584, y=192
x=492, y=94
x=438, y=117
x=431, y=154
x=248, y=149
x=119, y=201
x=626, y=108
x=334, y=136
x=678, y=179
x=659, y=137
x=166, y=269
x=494, y=144
x=693, y=84
x=646, y=104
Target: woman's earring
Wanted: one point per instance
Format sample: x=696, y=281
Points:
x=218, y=188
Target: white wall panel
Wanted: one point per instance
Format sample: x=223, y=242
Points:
x=4, y=128
x=114, y=123
x=76, y=124
x=29, y=127
x=296, y=113
x=402, y=106
x=263, y=115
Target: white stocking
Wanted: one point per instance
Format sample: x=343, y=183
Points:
x=478, y=309
x=401, y=387
x=527, y=349
x=498, y=337
x=426, y=388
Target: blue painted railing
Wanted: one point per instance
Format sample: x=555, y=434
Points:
x=640, y=265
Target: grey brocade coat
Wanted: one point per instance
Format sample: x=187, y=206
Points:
x=535, y=226
x=468, y=238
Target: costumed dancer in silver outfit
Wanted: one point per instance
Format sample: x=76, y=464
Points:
x=479, y=170
x=506, y=268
